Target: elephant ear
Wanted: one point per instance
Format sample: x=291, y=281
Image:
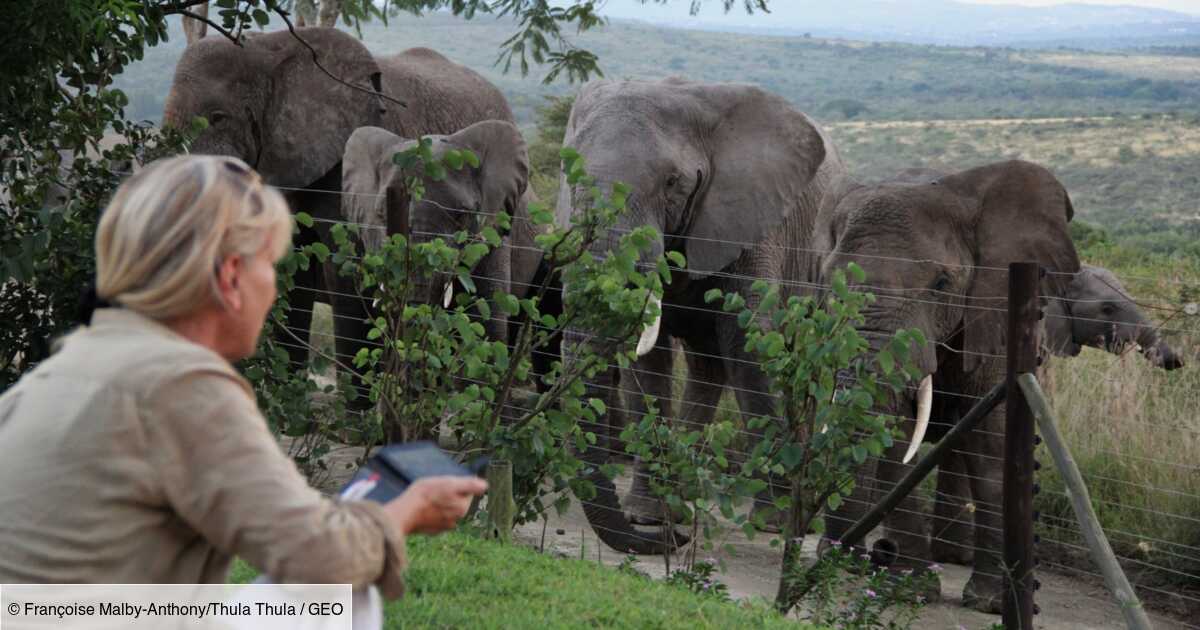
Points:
x=367, y=173
x=1020, y=214
x=764, y=155
x=503, y=173
x=1060, y=334
x=309, y=114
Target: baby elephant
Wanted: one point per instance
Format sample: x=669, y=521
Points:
x=1099, y=312
x=466, y=199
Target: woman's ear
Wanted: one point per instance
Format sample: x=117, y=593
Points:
x=229, y=281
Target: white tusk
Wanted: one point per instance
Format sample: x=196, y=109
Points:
x=448, y=294
x=924, y=403
x=650, y=334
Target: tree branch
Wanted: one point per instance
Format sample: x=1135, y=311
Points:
x=316, y=61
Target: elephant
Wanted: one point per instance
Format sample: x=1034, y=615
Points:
x=1097, y=311
x=731, y=176
x=270, y=103
x=466, y=199
x=936, y=254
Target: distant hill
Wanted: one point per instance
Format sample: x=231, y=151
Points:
x=833, y=79
x=936, y=22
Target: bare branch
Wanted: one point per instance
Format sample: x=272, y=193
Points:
x=316, y=60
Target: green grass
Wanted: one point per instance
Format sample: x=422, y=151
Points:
x=459, y=581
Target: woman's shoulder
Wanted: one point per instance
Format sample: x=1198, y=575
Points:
x=137, y=354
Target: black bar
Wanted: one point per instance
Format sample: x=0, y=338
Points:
x=1019, y=429
x=872, y=518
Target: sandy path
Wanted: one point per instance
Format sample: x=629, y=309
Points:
x=753, y=571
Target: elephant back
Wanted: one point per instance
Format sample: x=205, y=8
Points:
x=441, y=96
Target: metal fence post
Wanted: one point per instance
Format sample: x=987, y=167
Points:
x=1023, y=316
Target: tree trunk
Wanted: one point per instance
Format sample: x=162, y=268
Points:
x=193, y=29
x=330, y=10
x=306, y=12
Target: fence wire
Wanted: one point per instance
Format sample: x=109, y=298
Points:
x=1174, y=552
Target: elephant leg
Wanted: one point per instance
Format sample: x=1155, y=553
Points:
x=905, y=525
x=650, y=376
x=952, y=533
x=293, y=335
x=984, y=464
x=752, y=390
x=350, y=317
x=702, y=393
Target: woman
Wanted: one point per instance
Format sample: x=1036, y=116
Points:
x=136, y=452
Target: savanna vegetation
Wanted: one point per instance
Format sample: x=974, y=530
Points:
x=1119, y=130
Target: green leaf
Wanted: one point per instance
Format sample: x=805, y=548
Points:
x=712, y=295
x=304, y=218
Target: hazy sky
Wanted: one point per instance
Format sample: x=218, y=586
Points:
x=1186, y=6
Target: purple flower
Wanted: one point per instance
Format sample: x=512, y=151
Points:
x=870, y=593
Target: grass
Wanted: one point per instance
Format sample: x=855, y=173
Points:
x=459, y=581
x=1115, y=168
x=1134, y=431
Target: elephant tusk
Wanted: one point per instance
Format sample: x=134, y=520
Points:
x=924, y=403
x=448, y=294
x=650, y=334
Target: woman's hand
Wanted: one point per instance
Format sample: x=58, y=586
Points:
x=434, y=504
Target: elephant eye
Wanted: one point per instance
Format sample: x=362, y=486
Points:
x=942, y=283
x=672, y=180
x=216, y=117
x=1108, y=309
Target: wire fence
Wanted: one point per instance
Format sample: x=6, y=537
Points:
x=1132, y=427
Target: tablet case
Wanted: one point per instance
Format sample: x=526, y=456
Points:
x=392, y=468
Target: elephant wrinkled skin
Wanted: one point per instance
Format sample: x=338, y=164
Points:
x=731, y=176
x=269, y=104
x=467, y=199
x=936, y=254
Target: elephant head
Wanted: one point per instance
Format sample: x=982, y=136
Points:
x=936, y=255
x=1097, y=311
x=466, y=199
x=269, y=103
x=713, y=167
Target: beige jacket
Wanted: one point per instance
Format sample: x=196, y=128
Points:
x=135, y=455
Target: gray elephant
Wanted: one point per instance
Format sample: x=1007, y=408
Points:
x=269, y=103
x=466, y=199
x=731, y=176
x=936, y=255
x=1097, y=311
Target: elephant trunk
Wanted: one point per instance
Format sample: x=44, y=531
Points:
x=1155, y=349
x=603, y=511
x=1163, y=356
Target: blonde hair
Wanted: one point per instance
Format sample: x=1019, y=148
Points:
x=164, y=234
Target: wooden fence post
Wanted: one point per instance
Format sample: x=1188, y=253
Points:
x=500, y=506
x=1023, y=316
x=1089, y=525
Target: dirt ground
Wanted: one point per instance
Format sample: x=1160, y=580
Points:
x=752, y=570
